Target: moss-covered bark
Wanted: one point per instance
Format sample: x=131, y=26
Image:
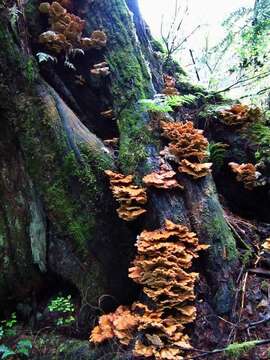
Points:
x=86, y=244
x=55, y=183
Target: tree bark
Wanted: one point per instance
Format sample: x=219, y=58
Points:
x=57, y=212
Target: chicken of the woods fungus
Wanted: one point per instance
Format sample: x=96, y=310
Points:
x=65, y=31
x=246, y=174
x=187, y=147
x=240, y=114
x=120, y=324
x=162, y=180
x=162, y=268
x=185, y=141
x=130, y=197
x=195, y=170
x=100, y=69
x=170, y=86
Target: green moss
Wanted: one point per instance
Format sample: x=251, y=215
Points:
x=135, y=137
x=172, y=67
x=259, y=134
x=157, y=46
x=70, y=207
x=236, y=350
x=31, y=70
x=222, y=236
x=265, y=285
x=70, y=220
x=217, y=230
x=7, y=47
x=133, y=78
x=246, y=257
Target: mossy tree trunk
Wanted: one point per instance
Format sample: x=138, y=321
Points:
x=57, y=212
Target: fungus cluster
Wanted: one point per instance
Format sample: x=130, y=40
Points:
x=101, y=69
x=187, y=147
x=129, y=196
x=162, y=268
x=245, y=173
x=196, y=170
x=170, y=86
x=162, y=180
x=185, y=140
x=66, y=29
x=120, y=324
x=240, y=114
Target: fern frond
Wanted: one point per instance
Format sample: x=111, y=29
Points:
x=69, y=65
x=180, y=100
x=155, y=106
x=44, y=57
x=217, y=153
x=76, y=51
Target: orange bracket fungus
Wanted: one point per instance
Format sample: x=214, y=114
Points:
x=196, y=170
x=170, y=84
x=65, y=31
x=240, y=114
x=129, y=196
x=185, y=140
x=161, y=267
x=245, y=173
x=187, y=147
x=101, y=69
x=119, y=324
x=162, y=180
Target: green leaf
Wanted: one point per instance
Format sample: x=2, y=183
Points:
x=25, y=343
x=6, y=351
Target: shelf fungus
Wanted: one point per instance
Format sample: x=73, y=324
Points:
x=162, y=180
x=185, y=140
x=266, y=245
x=101, y=69
x=196, y=170
x=240, y=114
x=120, y=324
x=66, y=29
x=162, y=268
x=108, y=114
x=130, y=197
x=170, y=86
x=113, y=143
x=245, y=173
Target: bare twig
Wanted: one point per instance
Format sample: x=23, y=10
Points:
x=173, y=38
x=259, y=322
x=260, y=271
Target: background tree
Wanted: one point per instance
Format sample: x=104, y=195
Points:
x=240, y=62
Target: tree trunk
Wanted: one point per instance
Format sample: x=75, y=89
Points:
x=58, y=215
